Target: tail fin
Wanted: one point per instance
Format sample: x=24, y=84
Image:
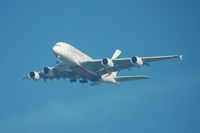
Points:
x=115, y=56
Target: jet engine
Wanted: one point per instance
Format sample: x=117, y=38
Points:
x=48, y=70
x=107, y=62
x=137, y=61
x=34, y=75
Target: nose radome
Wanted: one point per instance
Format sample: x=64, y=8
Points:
x=55, y=49
x=60, y=43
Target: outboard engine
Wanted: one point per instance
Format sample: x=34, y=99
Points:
x=34, y=75
x=136, y=61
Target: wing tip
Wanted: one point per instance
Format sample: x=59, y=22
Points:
x=146, y=77
x=181, y=57
x=25, y=78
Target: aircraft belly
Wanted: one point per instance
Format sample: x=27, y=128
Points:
x=84, y=73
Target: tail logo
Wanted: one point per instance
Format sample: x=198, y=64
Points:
x=108, y=74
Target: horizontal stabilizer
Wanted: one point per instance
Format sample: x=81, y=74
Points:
x=128, y=78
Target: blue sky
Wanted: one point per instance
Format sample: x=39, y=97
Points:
x=168, y=102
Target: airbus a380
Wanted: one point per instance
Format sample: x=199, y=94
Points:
x=76, y=65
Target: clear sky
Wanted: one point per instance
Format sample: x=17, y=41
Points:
x=169, y=102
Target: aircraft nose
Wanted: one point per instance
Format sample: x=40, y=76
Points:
x=55, y=49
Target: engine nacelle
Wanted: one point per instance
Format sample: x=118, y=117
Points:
x=107, y=62
x=137, y=61
x=48, y=70
x=34, y=75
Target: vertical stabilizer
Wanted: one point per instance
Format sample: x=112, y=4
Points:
x=115, y=56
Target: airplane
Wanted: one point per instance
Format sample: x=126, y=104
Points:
x=75, y=65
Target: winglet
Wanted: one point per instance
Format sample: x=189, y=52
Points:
x=181, y=57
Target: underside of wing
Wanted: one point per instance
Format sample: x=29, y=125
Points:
x=158, y=58
x=128, y=78
x=58, y=75
x=26, y=78
x=52, y=73
x=100, y=68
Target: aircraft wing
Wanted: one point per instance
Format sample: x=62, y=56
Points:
x=158, y=58
x=53, y=73
x=100, y=68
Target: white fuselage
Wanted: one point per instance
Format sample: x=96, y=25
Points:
x=69, y=54
x=77, y=65
x=72, y=58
